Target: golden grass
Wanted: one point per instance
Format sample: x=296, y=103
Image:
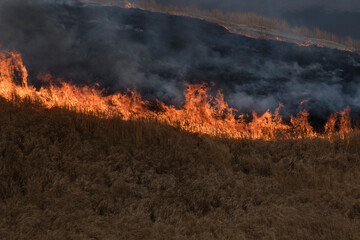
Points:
x=65, y=175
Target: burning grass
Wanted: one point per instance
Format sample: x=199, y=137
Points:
x=64, y=174
x=78, y=164
x=279, y=26
x=200, y=113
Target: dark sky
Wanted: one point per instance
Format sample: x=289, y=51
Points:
x=341, y=17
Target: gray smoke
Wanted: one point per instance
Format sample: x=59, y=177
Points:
x=157, y=53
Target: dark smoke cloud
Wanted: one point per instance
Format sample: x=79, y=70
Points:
x=156, y=53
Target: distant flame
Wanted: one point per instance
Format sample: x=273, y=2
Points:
x=346, y=50
x=304, y=101
x=305, y=44
x=128, y=4
x=309, y=43
x=201, y=112
x=237, y=33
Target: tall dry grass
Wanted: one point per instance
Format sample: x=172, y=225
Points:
x=65, y=175
x=251, y=19
x=262, y=23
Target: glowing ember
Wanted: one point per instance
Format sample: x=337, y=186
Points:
x=201, y=112
x=304, y=101
x=128, y=4
x=226, y=28
x=305, y=44
x=346, y=50
x=309, y=43
x=237, y=33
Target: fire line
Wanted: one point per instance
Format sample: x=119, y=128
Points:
x=201, y=112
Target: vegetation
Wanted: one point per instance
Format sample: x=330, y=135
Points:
x=75, y=176
x=252, y=20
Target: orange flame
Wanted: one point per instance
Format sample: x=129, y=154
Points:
x=307, y=43
x=304, y=101
x=301, y=125
x=237, y=33
x=345, y=122
x=339, y=122
x=330, y=125
x=200, y=113
x=128, y=4
x=345, y=50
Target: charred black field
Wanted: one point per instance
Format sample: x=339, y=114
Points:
x=68, y=173
x=157, y=53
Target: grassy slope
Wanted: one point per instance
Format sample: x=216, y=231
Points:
x=248, y=23
x=68, y=176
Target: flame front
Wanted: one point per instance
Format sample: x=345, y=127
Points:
x=201, y=112
x=128, y=4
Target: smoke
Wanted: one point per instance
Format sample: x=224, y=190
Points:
x=157, y=53
x=339, y=17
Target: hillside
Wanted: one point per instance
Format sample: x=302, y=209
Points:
x=68, y=175
x=157, y=53
x=257, y=26
x=247, y=24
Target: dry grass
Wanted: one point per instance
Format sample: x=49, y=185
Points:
x=69, y=176
x=249, y=19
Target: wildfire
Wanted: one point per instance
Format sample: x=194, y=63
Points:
x=345, y=50
x=200, y=113
x=237, y=33
x=128, y=4
x=304, y=101
x=226, y=28
x=308, y=44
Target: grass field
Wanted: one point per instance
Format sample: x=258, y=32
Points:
x=247, y=23
x=65, y=175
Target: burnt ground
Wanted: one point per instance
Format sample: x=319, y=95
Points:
x=75, y=176
x=156, y=53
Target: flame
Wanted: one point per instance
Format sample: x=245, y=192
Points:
x=346, y=50
x=223, y=21
x=345, y=122
x=301, y=125
x=339, y=122
x=330, y=125
x=237, y=33
x=128, y=4
x=200, y=113
x=304, y=44
x=304, y=101
x=309, y=43
x=226, y=28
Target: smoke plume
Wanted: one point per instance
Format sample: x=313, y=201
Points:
x=156, y=53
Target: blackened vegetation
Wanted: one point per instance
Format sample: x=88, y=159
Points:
x=157, y=53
